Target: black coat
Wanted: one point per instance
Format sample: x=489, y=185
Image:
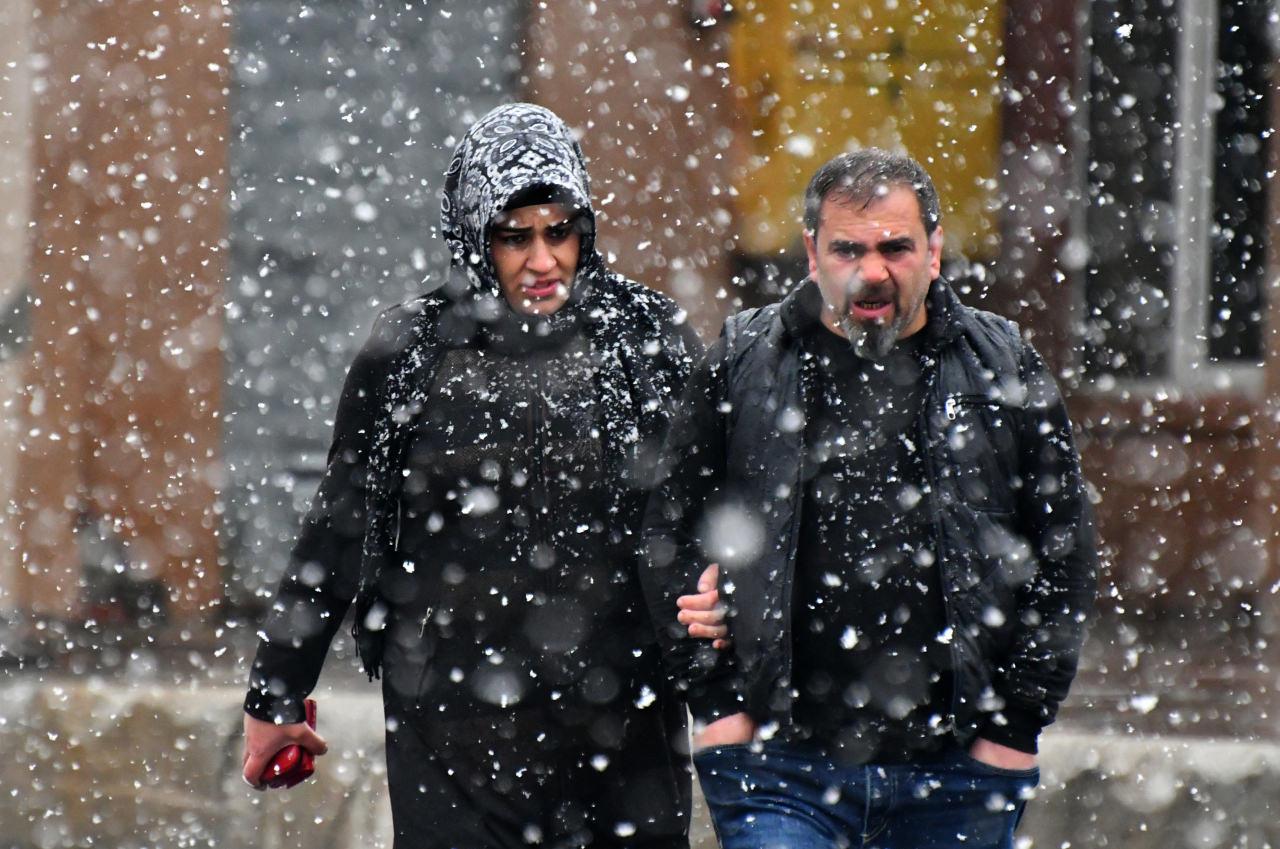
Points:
x=1009, y=510
x=638, y=352
x=349, y=534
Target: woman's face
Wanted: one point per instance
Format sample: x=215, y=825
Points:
x=535, y=252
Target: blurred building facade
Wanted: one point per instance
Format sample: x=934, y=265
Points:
x=223, y=193
x=117, y=467
x=16, y=142
x=338, y=149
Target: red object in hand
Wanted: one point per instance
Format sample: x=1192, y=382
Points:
x=292, y=764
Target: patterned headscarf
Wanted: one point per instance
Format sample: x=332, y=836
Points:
x=511, y=149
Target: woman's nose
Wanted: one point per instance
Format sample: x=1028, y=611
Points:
x=541, y=259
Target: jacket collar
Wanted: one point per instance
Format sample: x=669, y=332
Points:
x=944, y=310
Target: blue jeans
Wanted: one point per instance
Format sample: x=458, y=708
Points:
x=788, y=796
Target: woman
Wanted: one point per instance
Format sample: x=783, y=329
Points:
x=492, y=452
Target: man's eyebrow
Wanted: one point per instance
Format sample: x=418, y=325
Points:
x=844, y=244
x=883, y=244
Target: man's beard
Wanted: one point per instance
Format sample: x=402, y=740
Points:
x=872, y=340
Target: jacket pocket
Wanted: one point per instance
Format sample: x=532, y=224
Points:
x=986, y=546
x=424, y=650
x=981, y=463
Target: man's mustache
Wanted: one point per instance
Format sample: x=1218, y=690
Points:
x=858, y=290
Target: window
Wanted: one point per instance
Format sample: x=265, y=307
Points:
x=1175, y=213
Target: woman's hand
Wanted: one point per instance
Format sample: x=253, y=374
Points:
x=263, y=739
x=702, y=612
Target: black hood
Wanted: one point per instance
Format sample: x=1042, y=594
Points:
x=510, y=150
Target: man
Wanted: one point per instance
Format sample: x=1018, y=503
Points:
x=888, y=480
x=493, y=450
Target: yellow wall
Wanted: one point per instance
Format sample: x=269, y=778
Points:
x=817, y=79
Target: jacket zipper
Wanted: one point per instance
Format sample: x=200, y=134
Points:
x=788, y=585
x=536, y=439
x=951, y=409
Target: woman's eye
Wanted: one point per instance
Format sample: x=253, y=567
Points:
x=515, y=240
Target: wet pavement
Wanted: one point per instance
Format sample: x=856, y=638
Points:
x=1179, y=673
x=1166, y=741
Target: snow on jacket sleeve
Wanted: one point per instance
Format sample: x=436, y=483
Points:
x=694, y=461
x=1057, y=520
x=324, y=569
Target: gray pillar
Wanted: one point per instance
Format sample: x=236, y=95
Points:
x=344, y=117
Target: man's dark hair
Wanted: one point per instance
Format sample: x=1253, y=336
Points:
x=860, y=177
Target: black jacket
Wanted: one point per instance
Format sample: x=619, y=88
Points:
x=1010, y=513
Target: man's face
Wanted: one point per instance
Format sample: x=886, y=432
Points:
x=535, y=252
x=873, y=266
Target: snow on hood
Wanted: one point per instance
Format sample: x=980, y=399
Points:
x=510, y=149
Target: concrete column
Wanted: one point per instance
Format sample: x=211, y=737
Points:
x=1033, y=286
x=48, y=468
x=125, y=374
x=343, y=126
x=15, y=213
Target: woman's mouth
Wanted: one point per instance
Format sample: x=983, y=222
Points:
x=539, y=289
